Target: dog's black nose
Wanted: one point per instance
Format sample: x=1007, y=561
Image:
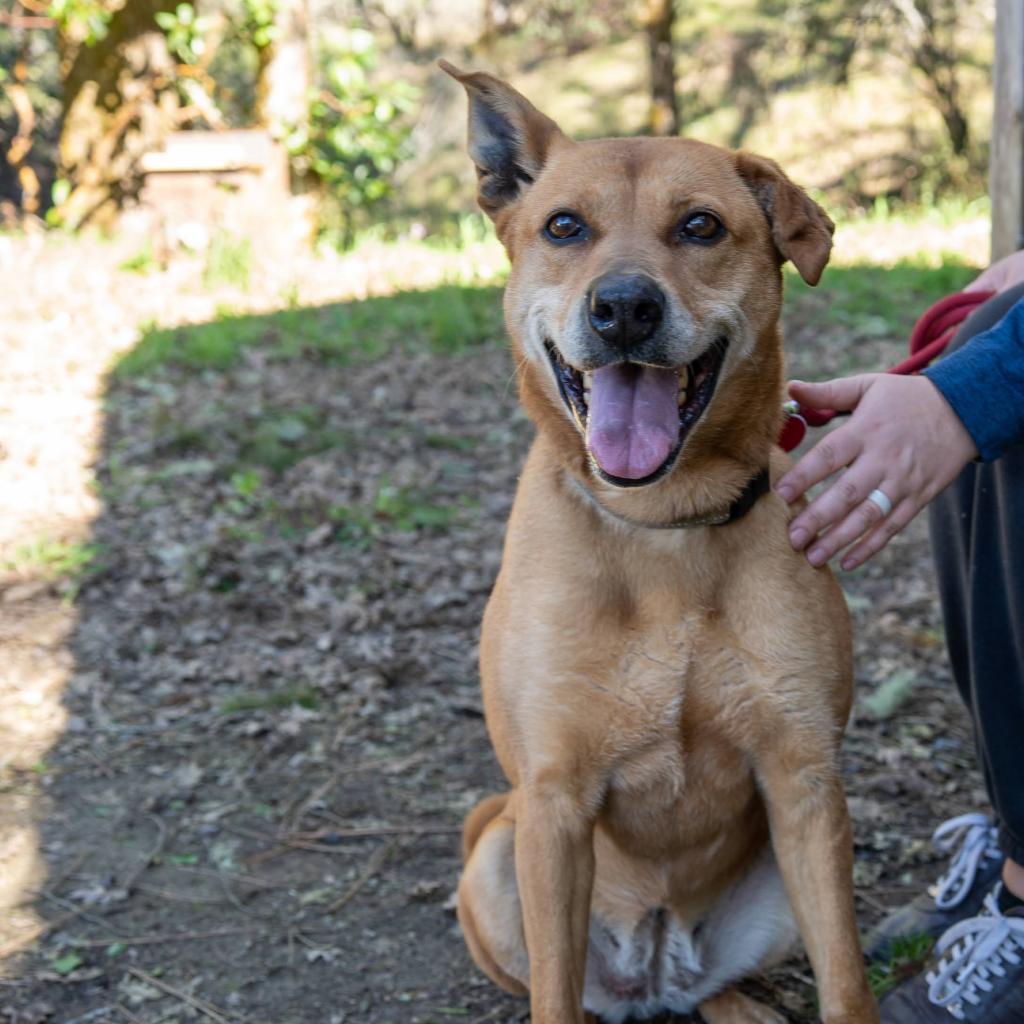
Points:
x=625, y=308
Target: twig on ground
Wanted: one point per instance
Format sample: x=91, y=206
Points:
x=157, y=940
x=77, y=911
x=871, y=902
x=373, y=865
x=302, y=841
x=180, y=897
x=208, y=1009
x=155, y=852
x=92, y=1015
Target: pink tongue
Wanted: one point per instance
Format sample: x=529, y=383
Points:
x=632, y=418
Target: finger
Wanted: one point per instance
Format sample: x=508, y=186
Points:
x=830, y=454
x=843, y=393
x=861, y=520
x=829, y=509
x=882, y=534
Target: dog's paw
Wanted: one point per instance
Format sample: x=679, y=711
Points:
x=735, y=1008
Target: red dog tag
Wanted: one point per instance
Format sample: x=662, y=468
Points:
x=793, y=431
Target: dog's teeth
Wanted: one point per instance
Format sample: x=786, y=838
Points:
x=682, y=398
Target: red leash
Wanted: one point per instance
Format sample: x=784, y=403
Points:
x=929, y=338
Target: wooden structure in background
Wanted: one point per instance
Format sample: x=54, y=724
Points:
x=1006, y=167
x=236, y=180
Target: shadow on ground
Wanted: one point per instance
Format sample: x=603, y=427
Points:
x=273, y=726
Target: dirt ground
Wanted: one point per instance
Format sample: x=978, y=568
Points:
x=236, y=753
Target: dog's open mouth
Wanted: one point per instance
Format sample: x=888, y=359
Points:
x=634, y=417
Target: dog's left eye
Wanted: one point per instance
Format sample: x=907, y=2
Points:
x=563, y=226
x=701, y=227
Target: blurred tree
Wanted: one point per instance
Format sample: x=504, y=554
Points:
x=930, y=39
x=119, y=99
x=356, y=133
x=280, y=32
x=16, y=151
x=29, y=108
x=657, y=18
x=927, y=34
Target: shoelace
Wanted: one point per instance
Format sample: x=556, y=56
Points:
x=979, y=839
x=977, y=953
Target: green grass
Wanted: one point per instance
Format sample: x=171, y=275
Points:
x=304, y=696
x=880, y=301
x=906, y=958
x=449, y=319
x=228, y=261
x=402, y=508
x=140, y=263
x=49, y=558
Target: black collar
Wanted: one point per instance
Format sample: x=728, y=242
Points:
x=756, y=487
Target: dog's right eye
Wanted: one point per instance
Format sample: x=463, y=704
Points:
x=564, y=226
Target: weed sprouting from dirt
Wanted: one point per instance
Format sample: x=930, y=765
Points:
x=906, y=957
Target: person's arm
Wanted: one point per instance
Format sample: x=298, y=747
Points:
x=906, y=436
x=984, y=383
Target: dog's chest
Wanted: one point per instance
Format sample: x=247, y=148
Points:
x=675, y=735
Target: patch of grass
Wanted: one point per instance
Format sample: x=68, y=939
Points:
x=304, y=696
x=228, y=261
x=408, y=508
x=446, y=319
x=51, y=559
x=881, y=301
x=141, y=263
x=453, y=442
x=906, y=958
x=284, y=437
x=401, y=508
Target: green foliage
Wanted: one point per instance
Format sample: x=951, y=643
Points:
x=356, y=135
x=141, y=262
x=906, y=958
x=301, y=695
x=446, y=319
x=258, y=21
x=51, y=559
x=66, y=964
x=408, y=508
x=85, y=21
x=284, y=437
x=398, y=508
x=185, y=31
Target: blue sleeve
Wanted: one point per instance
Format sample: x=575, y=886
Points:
x=984, y=383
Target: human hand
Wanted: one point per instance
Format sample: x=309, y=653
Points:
x=903, y=438
x=1003, y=274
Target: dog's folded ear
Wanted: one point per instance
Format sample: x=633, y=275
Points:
x=509, y=138
x=801, y=229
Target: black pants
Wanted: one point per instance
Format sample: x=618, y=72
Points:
x=977, y=529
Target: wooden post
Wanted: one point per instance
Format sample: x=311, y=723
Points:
x=1006, y=164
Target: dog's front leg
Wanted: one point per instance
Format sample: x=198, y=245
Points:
x=811, y=835
x=555, y=871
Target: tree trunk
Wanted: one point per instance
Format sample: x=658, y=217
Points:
x=931, y=31
x=119, y=101
x=18, y=150
x=658, y=18
x=284, y=73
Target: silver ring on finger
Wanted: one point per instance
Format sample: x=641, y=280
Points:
x=881, y=501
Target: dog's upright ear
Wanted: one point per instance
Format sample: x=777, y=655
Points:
x=509, y=138
x=801, y=229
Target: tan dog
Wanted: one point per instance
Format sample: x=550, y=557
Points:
x=665, y=697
